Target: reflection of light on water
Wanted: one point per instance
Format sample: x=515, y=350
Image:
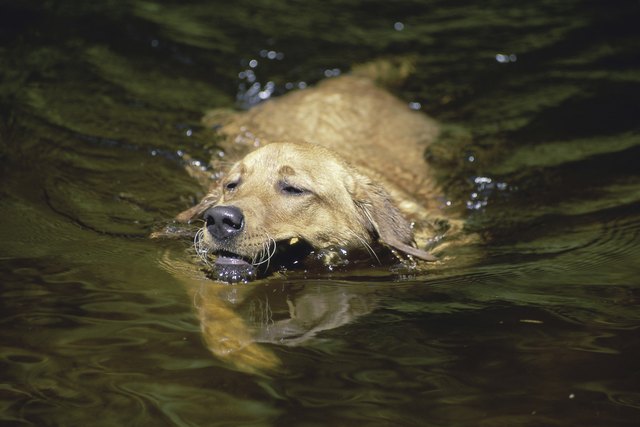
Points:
x=252, y=91
x=272, y=54
x=333, y=72
x=485, y=187
x=504, y=58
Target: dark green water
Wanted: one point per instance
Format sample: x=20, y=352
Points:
x=540, y=97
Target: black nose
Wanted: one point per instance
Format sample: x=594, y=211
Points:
x=224, y=222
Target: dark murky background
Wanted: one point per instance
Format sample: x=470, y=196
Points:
x=540, y=101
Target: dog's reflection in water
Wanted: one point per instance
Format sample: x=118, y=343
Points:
x=238, y=320
x=242, y=324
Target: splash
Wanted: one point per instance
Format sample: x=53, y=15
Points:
x=484, y=189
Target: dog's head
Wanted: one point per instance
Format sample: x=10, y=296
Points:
x=295, y=196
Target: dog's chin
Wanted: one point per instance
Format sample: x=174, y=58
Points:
x=231, y=267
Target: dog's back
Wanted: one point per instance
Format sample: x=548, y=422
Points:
x=352, y=116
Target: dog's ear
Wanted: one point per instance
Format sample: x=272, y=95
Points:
x=381, y=217
x=196, y=211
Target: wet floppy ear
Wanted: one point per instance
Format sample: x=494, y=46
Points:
x=380, y=216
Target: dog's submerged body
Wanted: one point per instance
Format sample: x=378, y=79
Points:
x=338, y=166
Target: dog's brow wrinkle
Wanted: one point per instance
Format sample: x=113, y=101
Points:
x=286, y=170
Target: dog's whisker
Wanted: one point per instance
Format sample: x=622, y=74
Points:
x=201, y=249
x=258, y=258
x=273, y=251
x=367, y=246
x=267, y=252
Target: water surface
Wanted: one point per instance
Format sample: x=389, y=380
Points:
x=541, y=148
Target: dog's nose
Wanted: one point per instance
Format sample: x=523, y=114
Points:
x=224, y=222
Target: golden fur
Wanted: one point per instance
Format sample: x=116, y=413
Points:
x=354, y=155
x=339, y=165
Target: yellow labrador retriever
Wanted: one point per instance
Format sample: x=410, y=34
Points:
x=323, y=172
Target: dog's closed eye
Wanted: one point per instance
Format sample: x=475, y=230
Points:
x=292, y=190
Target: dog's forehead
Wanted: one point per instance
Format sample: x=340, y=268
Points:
x=290, y=159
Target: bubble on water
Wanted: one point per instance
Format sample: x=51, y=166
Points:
x=333, y=72
x=484, y=189
x=506, y=58
x=398, y=26
x=415, y=105
x=267, y=91
x=482, y=180
x=271, y=54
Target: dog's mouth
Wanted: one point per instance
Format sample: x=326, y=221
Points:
x=286, y=255
x=290, y=255
x=233, y=268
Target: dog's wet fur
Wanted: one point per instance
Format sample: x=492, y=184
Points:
x=338, y=167
x=326, y=178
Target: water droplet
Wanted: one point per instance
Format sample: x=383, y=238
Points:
x=415, y=105
x=253, y=63
x=506, y=58
x=482, y=180
x=398, y=26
